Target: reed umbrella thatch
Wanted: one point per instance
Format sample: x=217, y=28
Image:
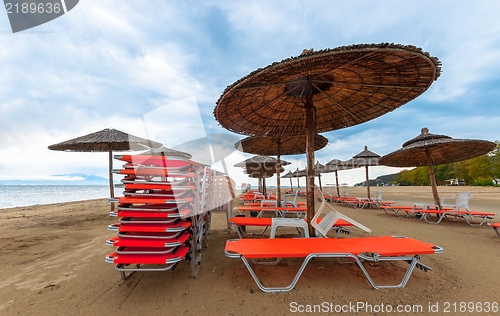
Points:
x=431, y=149
x=288, y=145
x=365, y=159
x=107, y=140
x=323, y=91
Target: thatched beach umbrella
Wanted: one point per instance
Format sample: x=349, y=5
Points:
x=107, y=140
x=318, y=170
x=289, y=176
x=325, y=90
x=430, y=149
x=296, y=174
x=262, y=165
x=288, y=145
x=365, y=159
x=336, y=165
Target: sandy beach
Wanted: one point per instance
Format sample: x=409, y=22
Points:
x=52, y=263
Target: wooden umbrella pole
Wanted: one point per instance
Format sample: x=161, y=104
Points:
x=432, y=178
x=278, y=167
x=110, y=175
x=310, y=132
x=264, y=188
x=367, y=182
x=337, y=182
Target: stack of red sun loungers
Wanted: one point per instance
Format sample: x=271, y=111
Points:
x=163, y=214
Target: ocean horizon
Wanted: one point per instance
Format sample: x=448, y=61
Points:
x=30, y=195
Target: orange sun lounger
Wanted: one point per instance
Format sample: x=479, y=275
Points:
x=496, y=226
x=240, y=222
x=160, y=261
x=373, y=249
x=468, y=216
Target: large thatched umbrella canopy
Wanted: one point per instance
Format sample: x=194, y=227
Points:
x=107, y=140
x=431, y=149
x=365, y=159
x=323, y=91
x=287, y=145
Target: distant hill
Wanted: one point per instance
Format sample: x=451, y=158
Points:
x=60, y=179
x=380, y=180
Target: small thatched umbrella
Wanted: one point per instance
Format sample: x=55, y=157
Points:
x=365, y=159
x=321, y=91
x=430, y=149
x=336, y=165
x=296, y=174
x=318, y=170
x=107, y=140
x=290, y=145
x=290, y=176
x=262, y=165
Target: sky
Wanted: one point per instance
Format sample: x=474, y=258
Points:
x=156, y=69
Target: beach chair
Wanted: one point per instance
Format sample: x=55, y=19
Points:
x=293, y=202
x=323, y=227
x=460, y=201
x=160, y=261
x=369, y=249
x=496, y=226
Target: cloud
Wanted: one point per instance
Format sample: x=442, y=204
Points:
x=164, y=64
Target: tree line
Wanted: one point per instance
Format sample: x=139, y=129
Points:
x=480, y=171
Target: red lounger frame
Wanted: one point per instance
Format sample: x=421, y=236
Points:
x=148, y=242
x=385, y=248
x=121, y=261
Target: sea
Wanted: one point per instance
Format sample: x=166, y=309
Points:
x=27, y=195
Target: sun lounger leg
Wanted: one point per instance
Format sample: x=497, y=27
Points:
x=196, y=243
x=276, y=289
x=496, y=230
x=471, y=223
x=413, y=261
x=127, y=273
x=424, y=217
